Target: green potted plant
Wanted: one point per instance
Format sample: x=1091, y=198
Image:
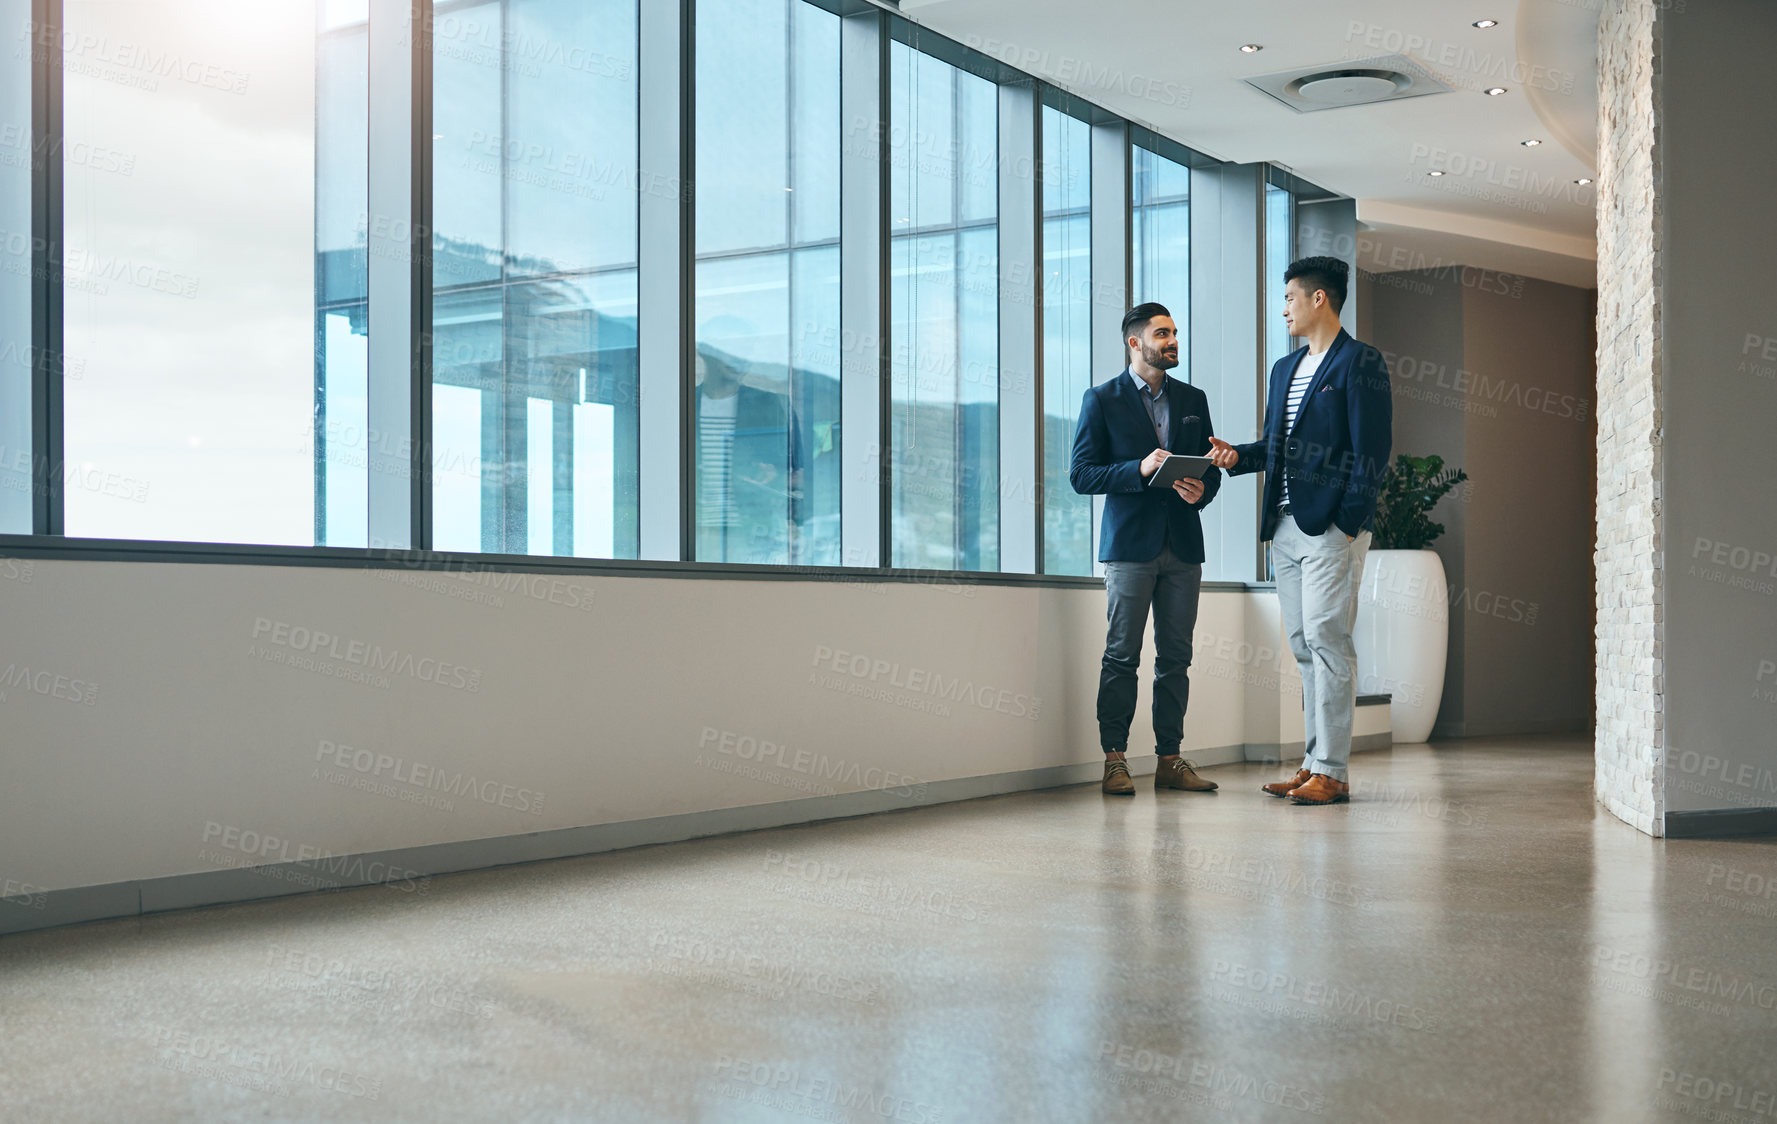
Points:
x=1402, y=632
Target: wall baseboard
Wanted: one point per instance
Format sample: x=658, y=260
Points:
x=407, y=869
x=1720, y=822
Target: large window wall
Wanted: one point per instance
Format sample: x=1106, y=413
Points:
x=622, y=307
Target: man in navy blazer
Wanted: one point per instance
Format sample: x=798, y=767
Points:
x=1328, y=422
x=1151, y=542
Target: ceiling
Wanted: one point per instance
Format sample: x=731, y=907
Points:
x=1176, y=66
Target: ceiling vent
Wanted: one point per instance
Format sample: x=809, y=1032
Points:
x=1358, y=82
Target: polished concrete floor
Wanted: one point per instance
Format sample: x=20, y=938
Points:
x=1472, y=938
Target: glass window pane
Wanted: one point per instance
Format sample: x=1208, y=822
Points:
x=468, y=144
x=570, y=135
x=766, y=411
x=534, y=318
x=743, y=110
x=1067, y=335
x=944, y=329
x=190, y=279
x=1162, y=242
x=1278, y=232
x=18, y=152
x=341, y=439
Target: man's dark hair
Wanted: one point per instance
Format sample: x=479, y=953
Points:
x=1330, y=274
x=1135, y=321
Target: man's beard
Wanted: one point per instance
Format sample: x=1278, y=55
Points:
x=1158, y=359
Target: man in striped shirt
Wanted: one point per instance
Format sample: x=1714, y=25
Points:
x=1328, y=433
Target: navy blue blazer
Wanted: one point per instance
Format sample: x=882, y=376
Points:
x=1339, y=449
x=1114, y=434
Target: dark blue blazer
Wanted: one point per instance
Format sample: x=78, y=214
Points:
x=1114, y=434
x=1339, y=449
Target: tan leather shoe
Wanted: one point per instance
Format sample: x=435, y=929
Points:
x=1116, y=779
x=1321, y=789
x=1176, y=772
x=1282, y=788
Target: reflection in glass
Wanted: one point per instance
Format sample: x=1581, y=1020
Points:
x=944, y=342
x=534, y=402
x=1067, y=335
x=766, y=410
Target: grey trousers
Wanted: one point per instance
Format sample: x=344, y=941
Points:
x=1317, y=583
x=1171, y=587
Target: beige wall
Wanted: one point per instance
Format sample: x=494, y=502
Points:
x=153, y=714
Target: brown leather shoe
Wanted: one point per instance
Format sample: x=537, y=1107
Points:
x=1116, y=779
x=1281, y=789
x=1175, y=772
x=1321, y=789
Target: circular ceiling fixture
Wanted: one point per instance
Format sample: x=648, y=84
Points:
x=1349, y=87
x=1495, y=91
x=1485, y=24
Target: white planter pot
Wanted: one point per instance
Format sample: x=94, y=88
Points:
x=1403, y=636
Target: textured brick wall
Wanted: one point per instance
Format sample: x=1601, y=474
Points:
x=1630, y=551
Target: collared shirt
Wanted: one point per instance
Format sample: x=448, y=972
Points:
x=1159, y=409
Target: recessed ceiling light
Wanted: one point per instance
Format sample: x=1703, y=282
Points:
x=1495, y=91
x=1530, y=143
x=1434, y=173
x=1485, y=24
x=1251, y=48
x=1583, y=180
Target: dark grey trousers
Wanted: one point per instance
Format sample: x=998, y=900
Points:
x=1171, y=587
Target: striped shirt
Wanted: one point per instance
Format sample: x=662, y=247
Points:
x=1299, y=383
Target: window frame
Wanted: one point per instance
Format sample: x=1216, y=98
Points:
x=672, y=262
